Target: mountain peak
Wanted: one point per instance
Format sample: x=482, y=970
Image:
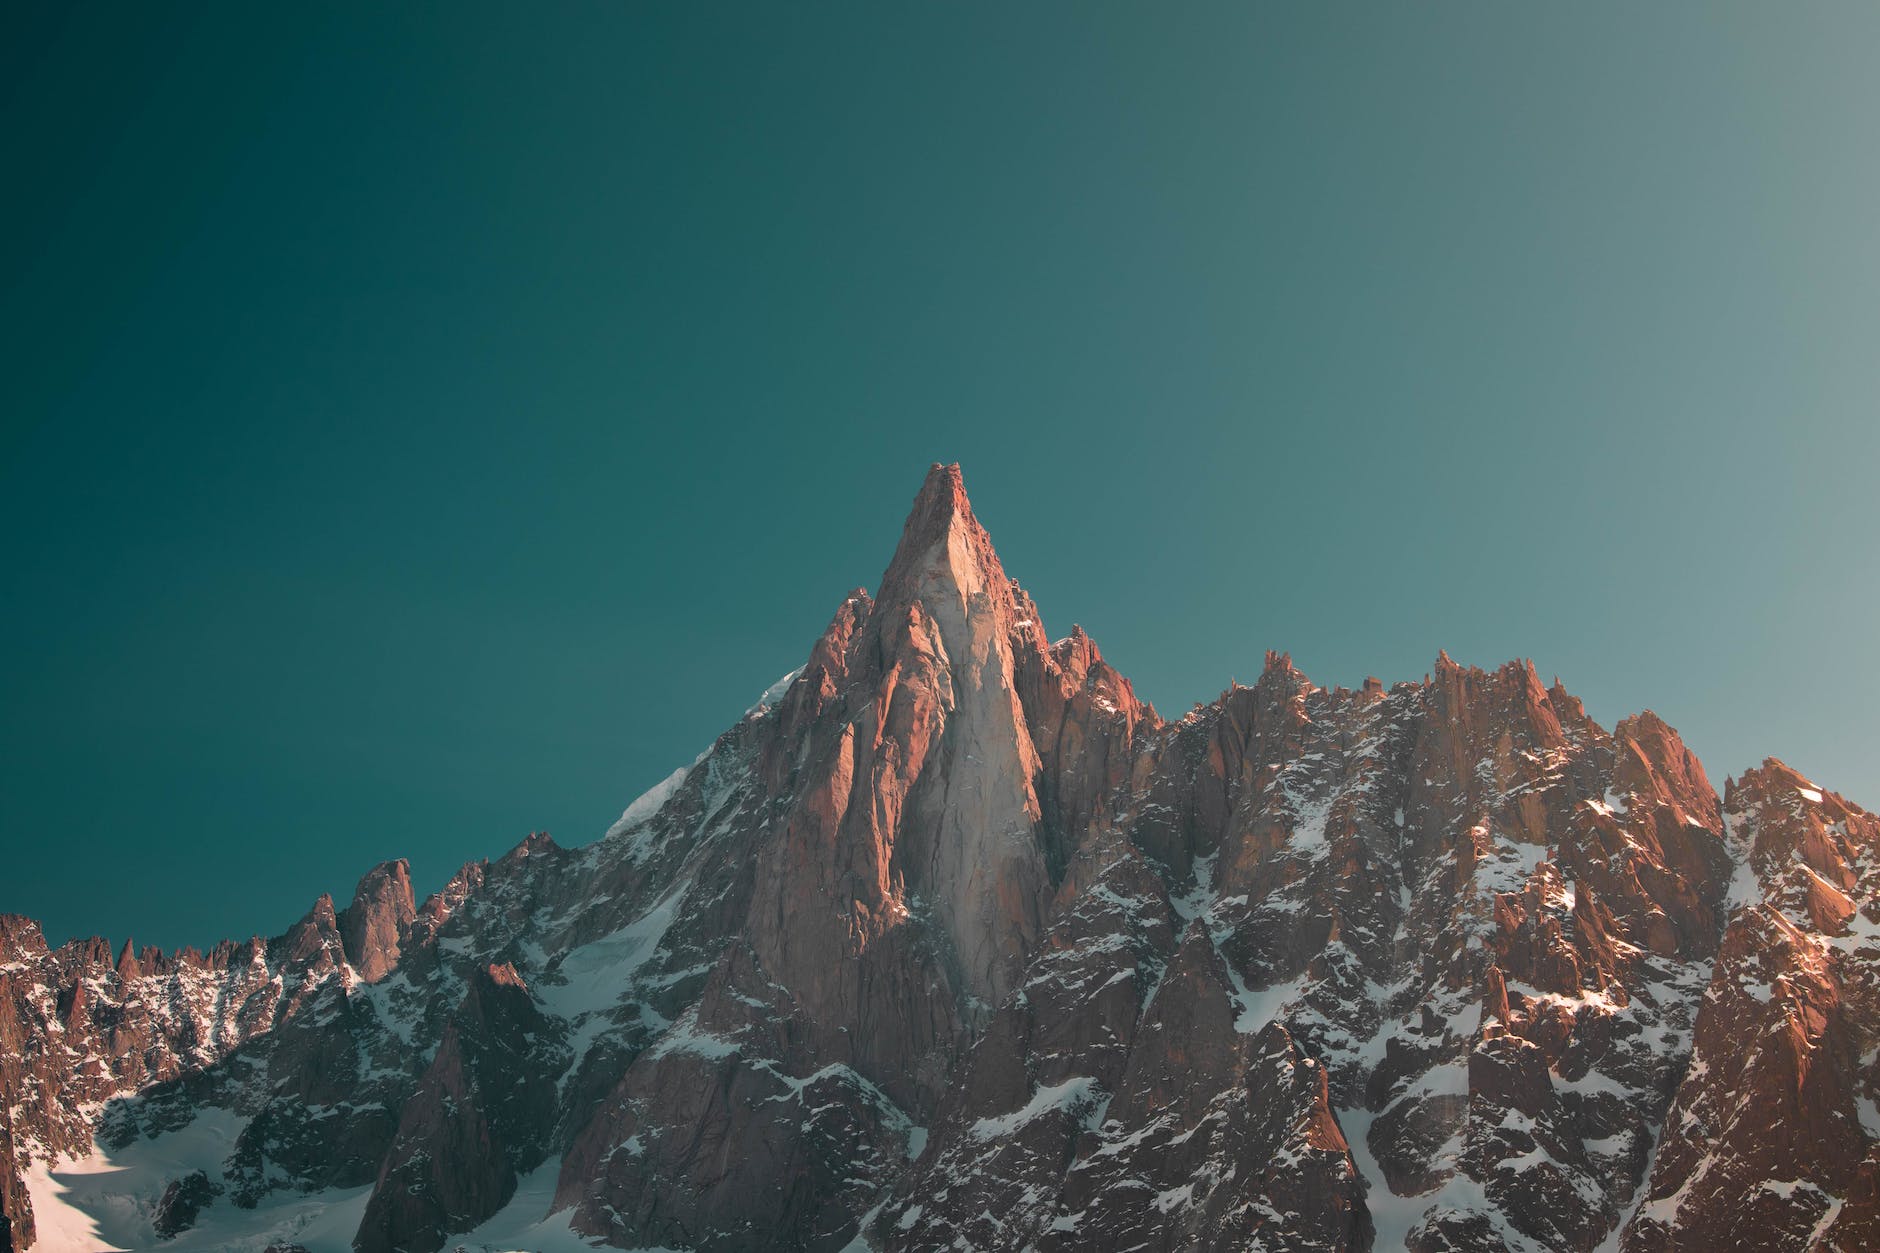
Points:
x=959, y=882
x=940, y=504
x=945, y=476
x=373, y=928
x=943, y=547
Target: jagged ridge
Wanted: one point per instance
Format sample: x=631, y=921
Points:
x=952, y=941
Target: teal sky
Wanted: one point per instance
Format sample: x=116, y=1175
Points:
x=429, y=423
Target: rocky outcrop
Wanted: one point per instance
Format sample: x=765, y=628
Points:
x=16, y=1208
x=951, y=941
x=183, y=1202
x=727, y=1134
x=1774, y=1132
x=375, y=926
x=482, y=1116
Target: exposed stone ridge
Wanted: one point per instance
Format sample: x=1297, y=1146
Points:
x=951, y=941
x=1774, y=1130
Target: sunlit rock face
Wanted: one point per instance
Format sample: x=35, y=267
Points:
x=952, y=942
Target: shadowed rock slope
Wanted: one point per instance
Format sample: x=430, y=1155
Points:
x=952, y=942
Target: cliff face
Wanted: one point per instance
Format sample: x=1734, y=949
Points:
x=953, y=942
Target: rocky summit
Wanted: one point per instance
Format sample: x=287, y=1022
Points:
x=952, y=942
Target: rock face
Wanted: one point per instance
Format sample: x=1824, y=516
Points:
x=1788, y=1019
x=375, y=926
x=952, y=942
x=183, y=1202
x=483, y=1112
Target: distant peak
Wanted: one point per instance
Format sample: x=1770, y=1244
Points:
x=535, y=844
x=1644, y=723
x=1774, y=776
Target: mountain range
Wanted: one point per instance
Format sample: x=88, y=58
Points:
x=952, y=942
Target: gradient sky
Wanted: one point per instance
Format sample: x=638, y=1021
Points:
x=425, y=423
